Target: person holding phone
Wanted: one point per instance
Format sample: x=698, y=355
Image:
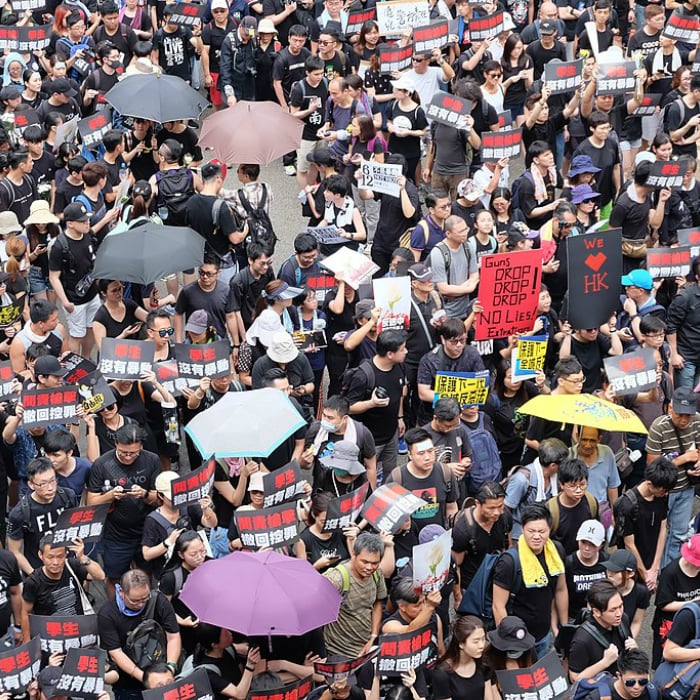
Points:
x=117, y=317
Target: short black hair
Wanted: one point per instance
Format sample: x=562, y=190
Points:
x=572, y=470
x=535, y=511
x=662, y=473
x=305, y=243
x=390, y=341
x=59, y=441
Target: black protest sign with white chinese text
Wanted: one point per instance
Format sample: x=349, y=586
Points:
x=632, y=372
x=394, y=58
x=76, y=367
x=19, y=666
x=268, y=527
x=682, y=26
x=690, y=237
x=191, y=487
x=7, y=381
x=342, y=669
x=669, y=262
x=25, y=39
x=504, y=143
x=11, y=313
x=210, y=360
x=665, y=173
x=187, y=13
x=49, y=406
x=616, y=78
x=545, y=679
x=25, y=118
x=431, y=36
x=328, y=235
x=357, y=18
x=83, y=673
x=389, y=506
x=168, y=376
x=85, y=522
x=398, y=653
x=94, y=392
x=196, y=686
x=92, y=129
x=505, y=119
x=649, y=105
x=562, y=76
x=58, y=633
x=344, y=510
x=293, y=691
x=21, y=6
x=126, y=359
x=594, y=273
x=449, y=110
x=283, y=485
x=486, y=27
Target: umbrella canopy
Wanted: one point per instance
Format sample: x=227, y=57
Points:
x=156, y=96
x=251, y=132
x=148, y=252
x=584, y=409
x=274, y=594
x=245, y=424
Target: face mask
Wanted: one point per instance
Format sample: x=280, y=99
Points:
x=340, y=473
x=328, y=427
x=116, y=65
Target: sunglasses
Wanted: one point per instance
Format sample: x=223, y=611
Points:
x=165, y=332
x=631, y=682
x=418, y=60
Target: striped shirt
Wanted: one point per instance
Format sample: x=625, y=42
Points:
x=663, y=440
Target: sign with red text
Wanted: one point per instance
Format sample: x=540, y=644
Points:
x=283, y=485
x=509, y=290
x=632, y=372
x=76, y=367
x=393, y=297
x=92, y=129
x=398, y=653
x=650, y=105
x=467, y=388
x=86, y=522
x=210, y=360
x=83, y=673
x=394, y=58
x=594, y=274
x=196, y=686
x=505, y=119
x=546, y=679
x=168, y=376
x=321, y=284
x=669, y=262
x=94, y=392
x=357, y=18
x=191, y=487
x=7, y=381
x=292, y=691
x=487, y=27
x=449, y=110
x=683, y=26
x=401, y=15
x=504, y=143
x=19, y=666
x=44, y=407
x=26, y=118
x=691, y=237
x=342, y=669
x=665, y=173
x=431, y=36
x=58, y=633
x=126, y=359
x=268, y=527
x=616, y=78
x=344, y=510
x=25, y=39
x=188, y=13
x=561, y=76
x=389, y=506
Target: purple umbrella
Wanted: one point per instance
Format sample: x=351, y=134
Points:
x=261, y=593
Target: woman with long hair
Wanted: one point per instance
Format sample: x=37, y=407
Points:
x=117, y=317
x=324, y=549
x=661, y=146
x=42, y=228
x=511, y=648
x=518, y=76
x=32, y=94
x=16, y=264
x=501, y=208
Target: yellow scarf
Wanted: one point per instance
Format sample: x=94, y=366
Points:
x=532, y=571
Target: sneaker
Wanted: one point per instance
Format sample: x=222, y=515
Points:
x=290, y=170
x=403, y=447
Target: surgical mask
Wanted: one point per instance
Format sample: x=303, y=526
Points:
x=328, y=427
x=340, y=473
x=115, y=64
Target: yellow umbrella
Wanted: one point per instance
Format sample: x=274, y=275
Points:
x=584, y=409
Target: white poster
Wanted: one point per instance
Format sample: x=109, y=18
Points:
x=381, y=177
x=395, y=17
x=431, y=563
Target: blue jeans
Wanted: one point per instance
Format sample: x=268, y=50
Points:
x=542, y=646
x=680, y=507
x=688, y=376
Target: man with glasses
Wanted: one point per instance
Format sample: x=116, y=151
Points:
x=335, y=63
x=159, y=330
x=426, y=78
x=303, y=270
x=639, y=302
x=125, y=478
x=632, y=679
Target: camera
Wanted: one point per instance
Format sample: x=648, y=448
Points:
x=381, y=392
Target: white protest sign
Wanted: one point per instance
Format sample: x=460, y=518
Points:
x=395, y=17
x=381, y=177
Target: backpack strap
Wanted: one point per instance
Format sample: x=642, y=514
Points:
x=553, y=507
x=216, y=212
x=150, y=611
x=10, y=192
x=244, y=201
x=263, y=199
x=592, y=504
x=163, y=521
x=594, y=632
x=345, y=577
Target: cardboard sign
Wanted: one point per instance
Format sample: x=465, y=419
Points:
x=665, y=173
x=561, y=76
x=193, y=486
x=58, y=633
x=669, y=262
x=209, y=360
x=504, y=143
x=393, y=58
x=509, y=290
x=616, y=78
x=398, y=15
x=400, y=652
x=77, y=367
x=342, y=669
x=167, y=374
x=283, y=485
x=293, y=691
x=11, y=313
x=389, y=506
x=49, y=406
x=467, y=388
x=7, y=381
x=357, y=18
x=83, y=673
x=25, y=39
x=268, y=527
x=92, y=129
x=546, y=679
x=19, y=666
x=381, y=177
x=86, y=522
x=344, y=510
x=528, y=357
x=327, y=235
x=594, y=273
x=188, y=13
x=683, y=26
x=126, y=359
x=632, y=372
x=649, y=106
x=196, y=686
x=431, y=36
x=691, y=237
x=449, y=110
x=94, y=392
x=431, y=563
x=355, y=266
x=487, y=27
x=393, y=296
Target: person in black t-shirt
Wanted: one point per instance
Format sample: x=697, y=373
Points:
x=174, y=46
x=585, y=566
x=10, y=594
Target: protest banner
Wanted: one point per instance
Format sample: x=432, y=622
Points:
x=449, y=109
x=92, y=129
x=505, y=119
x=665, y=173
x=344, y=510
x=649, y=105
x=77, y=367
x=431, y=563
x=616, y=78
x=504, y=143
x=431, y=36
x=355, y=267
x=44, y=407
x=467, y=388
x=327, y=235
x=321, y=284
x=26, y=118
x=7, y=381
x=94, y=392
x=19, y=666
x=58, y=633
x=25, y=39
x=398, y=15
x=268, y=527
x=283, y=485
x=356, y=18
x=398, y=653
x=389, y=506
x=188, y=14
x=528, y=357
x=682, y=26
x=393, y=296
x=487, y=27
x=297, y=690
x=594, y=274
x=394, y=58
x=126, y=359
x=632, y=372
x=21, y=6
x=83, y=673
x=690, y=237
x=11, y=313
x=189, y=488
x=211, y=360
x=196, y=686
x=342, y=669
x=669, y=262
x=545, y=679
x=381, y=177
x=563, y=76
x=509, y=290
x=86, y=522
x=167, y=374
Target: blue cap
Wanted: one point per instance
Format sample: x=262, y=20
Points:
x=638, y=278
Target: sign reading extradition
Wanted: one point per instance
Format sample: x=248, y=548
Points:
x=399, y=653
x=190, y=488
x=431, y=36
x=389, y=506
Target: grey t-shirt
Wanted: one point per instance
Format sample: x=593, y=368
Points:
x=461, y=266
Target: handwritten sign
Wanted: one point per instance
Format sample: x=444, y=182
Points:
x=381, y=177
x=528, y=356
x=468, y=388
x=398, y=15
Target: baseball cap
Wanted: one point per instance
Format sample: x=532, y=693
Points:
x=685, y=401
x=547, y=27
x=592, y=531
x=219, y=5
x=49, y=365
x=64, y=86
x=47, y=680
x=321, y=155
x=621, y=560
x=420, y=272
x=164, y=482
x=76, y=211
x=638, y=278
x=198, y=321
x=249, y=23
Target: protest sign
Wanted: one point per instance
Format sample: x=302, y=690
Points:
x=431, y=36
x=25, y=39
x=86, y=522
x=355, y=267
x=283, y=485
x=168, y=376
x=211, y=360
x=7, y=381
x=191, y=487
x=342, y=669
x=83, y=673
x=665, y=173
x=467, y=388
x=381, y=177
x=21, y=6
x=649, y=105
x=546, y=679
x=196, y=686
x=305, y=339
x=563, y=76
x=19, y=666
x=65, y=132
x=449, y=110
x=126, y=359
x=58, y=633
x=94, y=392
x=345, y=509
x=398, y=15
x=487, y=27
x=24, y=119
x=690, y=237
x=11, y=313
x=394, y=58
x=292, y=691
x=505, y=119
x=594, y=274
x=400, y=652
x=431, y=563
x=528, y=357
x=357, y=18
x=504, y=143
x=632, y=372
x=669, y=262
x=92, y=129
x=327, y=235
x=509, y=290
x=321, y=284
x=616, y=78
x=48, y=406
x=389, y=506
x=393, y=296
x=76, y=367
x=682, y=26
x=268, y=527
x=188, y=14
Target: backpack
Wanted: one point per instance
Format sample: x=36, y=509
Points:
x=259, y=225
x=555, y=510
x=515, y=189
x=405, y=240
x=351, y=372
x=175, y=187
x=681, y=680
x=620, y=517
x=446, y=477
x=345, y=576
x=681, y=108
x=530, y=486
x=486, y=460
x=562, y=643
x=81, y=66
x=146, y=643
x=27, y=510
x=447, y=257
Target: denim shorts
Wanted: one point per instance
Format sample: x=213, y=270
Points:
x=37, y=281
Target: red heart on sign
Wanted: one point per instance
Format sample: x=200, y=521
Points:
x=595, y=262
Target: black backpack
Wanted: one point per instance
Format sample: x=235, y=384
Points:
x=146, y=644
x=621, y=517
x=175, y=187
x=26, y=509
x=259, y=225
x=364, y=369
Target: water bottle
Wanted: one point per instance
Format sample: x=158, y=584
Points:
x=122, y=172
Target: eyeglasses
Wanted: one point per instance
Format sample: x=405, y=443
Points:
x=418, y=60
x=575, y=381
x=654, y=335
x=457, y=341
x=43, y=484
x=165, y=332
x=564, y=224
x=125, y=453
x=631, y=682
x=573, y=486
x=136, y=603
x=495, y=75
x=204, y=273
x=325, y=43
